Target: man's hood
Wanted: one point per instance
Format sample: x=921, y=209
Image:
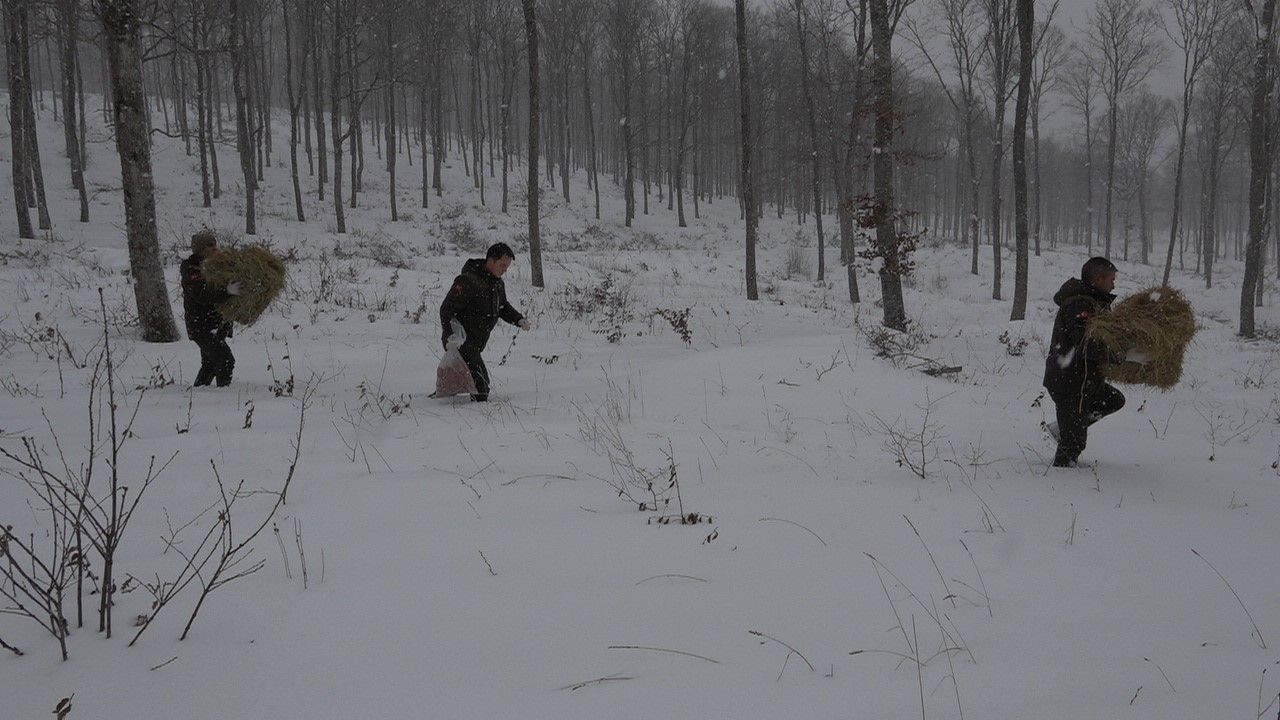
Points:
x=475, y=266
x=1074, y=287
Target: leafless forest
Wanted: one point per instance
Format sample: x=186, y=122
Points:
x=995, y=124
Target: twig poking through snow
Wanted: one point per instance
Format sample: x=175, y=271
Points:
x=166, y=662
x=671, y=575
x=1166, y=677
x=757, y=633
x=665, y=650
x=598, y=681
x=790, y=522
x=1261, y=642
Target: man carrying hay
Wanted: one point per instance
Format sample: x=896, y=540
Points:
x=1073, y=372
x=476, y=301
x=205, y=325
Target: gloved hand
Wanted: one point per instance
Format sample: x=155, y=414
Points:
x=1137, y=356
x=457, y=337
x=233, y=288
x=524, y=324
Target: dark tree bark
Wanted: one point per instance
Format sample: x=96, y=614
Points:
x=1259, y=164
x=30, y=135
x=293, y=110
x=17, y=118
x=812, y=114
x=1026, y=31
x=895, y=314
x=747, y=190
x=535, y=108
x=240, y=50
x=69, y=37
x=133, y=143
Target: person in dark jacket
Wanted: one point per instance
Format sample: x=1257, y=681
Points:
x=205, y=325
x=1073, y=368
x=475, y=302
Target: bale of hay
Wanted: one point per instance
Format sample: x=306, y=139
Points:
x=1157, y=321
x=261, y=276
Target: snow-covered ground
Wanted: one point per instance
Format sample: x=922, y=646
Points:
x=476, y=561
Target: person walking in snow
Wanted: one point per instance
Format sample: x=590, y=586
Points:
x=205, y=325
x=472, y=307
x=1073, y=368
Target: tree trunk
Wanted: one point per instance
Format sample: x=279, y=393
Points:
x=895, y=315
x=17, y=119
x=1111, y=175
x=747, y=190
x=1037, y=204
x=31, y=135
x=1026, y=29
x=811, y=110
x=535, y=107
x=239, y=54
x=293, y=112
x=335, y=124
x=133, y=143
x=850, y=152
x=591, y=127
x=214, y=137
x=391, y=116
x=317, y=72
x=1259, y=167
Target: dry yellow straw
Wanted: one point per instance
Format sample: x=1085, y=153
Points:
x=261, y=276
x=1157, y=321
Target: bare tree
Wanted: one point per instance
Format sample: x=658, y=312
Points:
x=67, y=14
x=622, y=20
x=853, y=147
x=1082, y=80
x=240, y=51
x=801, y=12
x=966, y=41
x=535, y=109
x=1026, y=40
x=1197, y=26
x=1260, y=149
x=1001, y=31
x=294, y=106
x=883, y=18
x=747, y=192
x=1050, y=52
x=1144, y=120
x=1218, y=125
x=17, y=116
x=120, y=19
x=1124, y=35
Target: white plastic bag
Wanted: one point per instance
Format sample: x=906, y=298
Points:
x=453, y=377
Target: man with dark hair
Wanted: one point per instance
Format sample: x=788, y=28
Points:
x=1073, y=369
x=205, y=325
x=472, y=308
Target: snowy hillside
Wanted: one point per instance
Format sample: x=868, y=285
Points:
x=870, y=540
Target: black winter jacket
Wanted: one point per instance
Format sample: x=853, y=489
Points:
x=1074, y=363
x=478, y=300
x=200, y=303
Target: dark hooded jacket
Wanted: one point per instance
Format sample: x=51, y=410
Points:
x=200, y=303
x=477, y=299
x=1074, y=362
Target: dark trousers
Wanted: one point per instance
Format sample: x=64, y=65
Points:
x=216, y=361
x=1076, y=412
x=479, y=372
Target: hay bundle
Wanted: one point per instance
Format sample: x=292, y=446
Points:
x=1157, y=321
x=261, y=276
